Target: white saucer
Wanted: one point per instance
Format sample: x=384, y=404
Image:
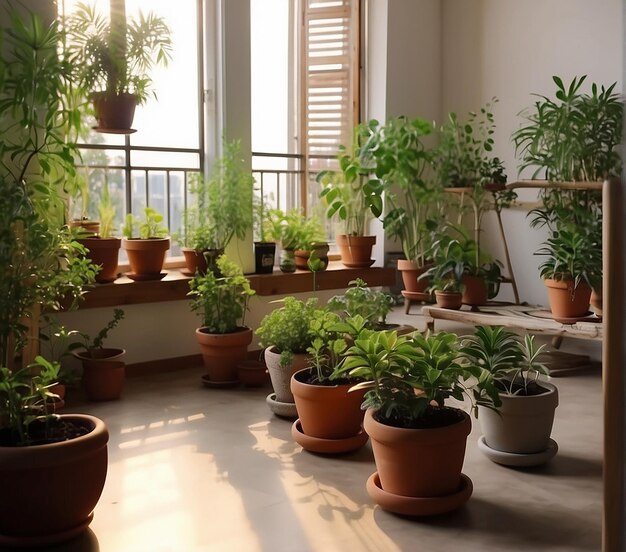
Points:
x=518, y=460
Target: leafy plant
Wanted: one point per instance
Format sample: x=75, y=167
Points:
x=150, y=226
x=513, y=363
x=350, y=195
x=107, y=213
x=360, y=300
x=294, y=230
x=98, y=341
x=407, y=375
x=116, y=57
x=221, y=300
x=401, y=163
x=288, y=327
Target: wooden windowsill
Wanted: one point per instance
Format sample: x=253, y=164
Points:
x=174, y=286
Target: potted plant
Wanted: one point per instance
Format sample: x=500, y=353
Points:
x=146, y=253
x=571, y=138
x=353, y=198
x=330, y=417
x=402, y=162
x=113, y=60
x=518, y=433
x=266, y=234
x=40, y=264
x=418, y=442
x=447, y=272
x=104, y=248
x=285, y=335
x=221, y=300
x=103, y=367
x=78, y=190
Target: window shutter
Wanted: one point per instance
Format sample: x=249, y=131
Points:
x=330, y=79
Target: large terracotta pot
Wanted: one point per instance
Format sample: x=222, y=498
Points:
x=410, y=274
x=523, y=424
x=114, y=113
x=565, y=301
x=105, y=253
x=49, y=491
x=474, y=291
x=281, y=375
x=222, y=353
x=146, y=257
x=327, y=411
x=419, y=462
x=103, y=373
x=449, y=299
x=356, y=251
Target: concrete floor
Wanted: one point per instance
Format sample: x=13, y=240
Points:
x=195, y=469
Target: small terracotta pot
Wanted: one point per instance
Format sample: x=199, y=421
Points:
x=302, y=256
x=46, y=472
x=105, y=253
x=356, y=251
x=410, y=274
x=146, y=257
x=474, y=291
x=327, y=411
x=449, y=299
x=252, y=373
x=114, y=112
x=565, y=301
x=103, y=373
x=194, y=261
x=222, y=353
x=281, y=375
x=419, y=462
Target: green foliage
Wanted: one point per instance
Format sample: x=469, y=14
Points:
x=405, y=374
x=361, y=300
x=221, y=300
x=40, y=111
x=116, y=58
x=513, y=363
x=150, y=226
x=402, y=162
x=98, y=341
x=25, y=398
x=294, y=230
x=350, y=195
x=107, y=213
x=574, y=136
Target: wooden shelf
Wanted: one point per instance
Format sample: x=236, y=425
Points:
x=175, y=286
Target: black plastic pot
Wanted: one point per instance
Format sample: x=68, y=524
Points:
x=264, y=254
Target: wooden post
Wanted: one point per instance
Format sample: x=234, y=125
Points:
x=613, y=362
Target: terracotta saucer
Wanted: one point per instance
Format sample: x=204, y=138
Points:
x=145, y=277
x=358, y=265
x=115, y=130
x=414, y=506
x=514, y=460
x=284, y=410
x=217, y=384
x=417, y=296
x=45, y=540
x=327, y=446
x=587, y=317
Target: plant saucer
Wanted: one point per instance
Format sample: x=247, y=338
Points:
x=145, y=277
x=114, y=130
x=207, y=382
x=514, y=460
x=284, y=410
x=415, y=506
x=364, y=264
x=327, y=446
x=417, y=296
x=587, y=317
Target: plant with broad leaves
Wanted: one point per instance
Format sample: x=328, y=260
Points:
x=150, y=226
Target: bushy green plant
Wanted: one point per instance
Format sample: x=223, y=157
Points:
x=221, y=299
x=512, y=362
x=116, y=56
x=288, y=327
x=150, y=226
x=406, y=376
x=361, y=300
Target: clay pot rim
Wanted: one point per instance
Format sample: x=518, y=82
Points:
x=115, y=353
x=564, y=284
x=238, y=330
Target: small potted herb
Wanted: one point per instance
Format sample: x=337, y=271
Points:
x=146, y=250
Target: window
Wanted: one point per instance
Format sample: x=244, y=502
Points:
x=151, y=167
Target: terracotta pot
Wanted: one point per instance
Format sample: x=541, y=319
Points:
x=281, y=375
x=302, y=256
x=449, y=299
x=327, y=411
x=356, y=251
x=103, y=373
x=523, y=424
x=252, y=373
x=596, y=301
x=474, y=291
x=36, y=508
x=89, y=227
x=57, y=404
x=114, y=112
x=565, y=301
x=146, y=257
x=105, y=253
x=194, y=261
x=419, y=462
x=221, y=353
x=264, y=256
x=410, y=274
